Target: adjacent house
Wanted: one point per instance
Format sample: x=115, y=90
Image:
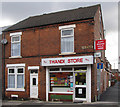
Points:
x=3, y=41
x=116, y=74
x=108, y=73
x=51, y=56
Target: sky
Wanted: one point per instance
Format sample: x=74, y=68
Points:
x=13, y=12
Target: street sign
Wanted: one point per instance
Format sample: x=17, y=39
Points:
x=100, y=44
x=99, y=65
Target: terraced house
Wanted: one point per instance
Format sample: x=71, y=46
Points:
x=51, y=56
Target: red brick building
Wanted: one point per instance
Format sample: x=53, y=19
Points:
x=51, y=56
x=116, y=74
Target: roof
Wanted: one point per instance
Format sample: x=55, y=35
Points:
x=56, y=18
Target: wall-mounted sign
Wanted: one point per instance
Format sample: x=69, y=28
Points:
x=99, y=65
x=100, y=44
x=87, y=47
x=98, y=54
x=67, y=61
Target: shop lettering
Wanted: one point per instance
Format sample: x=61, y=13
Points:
x=78, y=60
x=57, y=61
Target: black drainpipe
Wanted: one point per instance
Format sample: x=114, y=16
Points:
x=3, y=68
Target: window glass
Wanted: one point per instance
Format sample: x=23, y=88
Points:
x=11, y=70
x=61, y=82
x=20, y=70
x=67, y=32
x=34, y=81
x=80, y=92
x=66, y=69
x=80, y=68
x=80, y=78
x=67, y=44
x=54, y=69
x=34, y=71
x=11, y=81
x=20, y=81
x=16, y=38
x=15, y=49
x=17, y=73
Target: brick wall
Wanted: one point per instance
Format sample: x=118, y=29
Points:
x=46, y=42
x=97, y=36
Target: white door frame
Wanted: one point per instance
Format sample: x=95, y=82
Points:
x=75, y=86
x=34, y=75
x=88, y=86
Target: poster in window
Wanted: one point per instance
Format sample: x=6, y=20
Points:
x=71, y=85
x=79, y=91
x=71, y=78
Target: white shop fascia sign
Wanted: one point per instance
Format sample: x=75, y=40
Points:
x=80, y=60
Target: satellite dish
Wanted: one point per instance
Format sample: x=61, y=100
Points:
x=4, y=41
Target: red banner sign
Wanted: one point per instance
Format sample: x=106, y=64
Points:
x=100, y=44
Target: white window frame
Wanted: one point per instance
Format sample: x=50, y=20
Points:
x=16, y=74
x=67, y=35
x=17, y=34
x=67, y=27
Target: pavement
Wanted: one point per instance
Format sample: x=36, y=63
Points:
x=109, y=98
x=112, y=94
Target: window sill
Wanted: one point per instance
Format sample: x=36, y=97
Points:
x=68, y=53
x=15, y=57
x=13, y=89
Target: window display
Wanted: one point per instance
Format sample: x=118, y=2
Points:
x=61, y=82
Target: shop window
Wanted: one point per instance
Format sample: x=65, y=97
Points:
x=80, y=69
x=66, y=69
x=61, y=82
x=15, y=78
x=54, y=69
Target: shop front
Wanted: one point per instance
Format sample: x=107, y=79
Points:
x=68, y=78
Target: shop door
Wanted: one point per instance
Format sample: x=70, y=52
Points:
x=33, y=84
x=80, y=86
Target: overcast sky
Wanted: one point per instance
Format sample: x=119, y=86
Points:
x=13, y=12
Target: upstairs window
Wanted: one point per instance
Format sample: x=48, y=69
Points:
x=67, y=38
x=15, y=44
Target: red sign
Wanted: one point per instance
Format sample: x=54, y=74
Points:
x=100, y=44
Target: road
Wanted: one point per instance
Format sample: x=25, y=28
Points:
x=110, y=98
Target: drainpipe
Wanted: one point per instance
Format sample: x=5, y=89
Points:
x=3, y=65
